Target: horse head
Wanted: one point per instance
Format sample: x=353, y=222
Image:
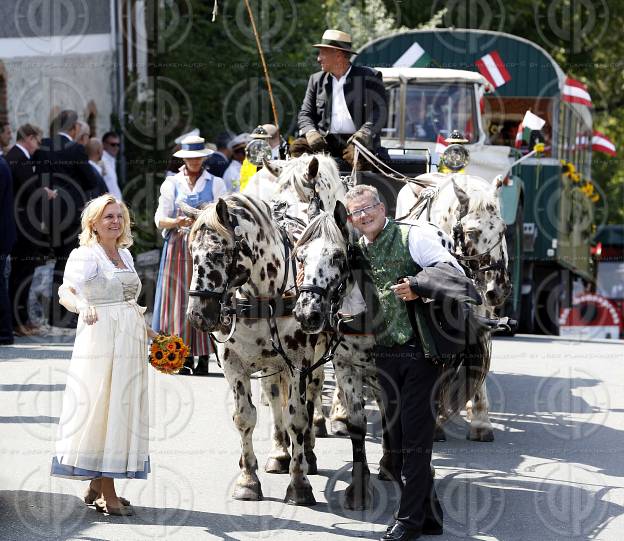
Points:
x=322, y=251
x=479, y=235
x=228, y=241
x=310, y=184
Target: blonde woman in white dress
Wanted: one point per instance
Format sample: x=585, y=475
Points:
x=103, y=428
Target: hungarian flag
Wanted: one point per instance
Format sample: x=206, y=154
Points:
x=576, y=92
x=601, y=143
x=529, y=123
x=414, y=57
x=492, y=67
x=441, y=144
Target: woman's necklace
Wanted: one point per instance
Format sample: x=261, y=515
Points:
x=115, y=259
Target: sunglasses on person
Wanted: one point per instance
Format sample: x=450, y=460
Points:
x=114, y=144
x=363, y=210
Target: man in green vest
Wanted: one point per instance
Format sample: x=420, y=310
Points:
x=405, y=353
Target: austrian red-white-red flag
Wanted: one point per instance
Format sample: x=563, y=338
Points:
x=492, y=67
x=601, y=143
x=441, y=144
x=576, y=92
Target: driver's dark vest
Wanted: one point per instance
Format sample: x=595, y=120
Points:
x=390, y=259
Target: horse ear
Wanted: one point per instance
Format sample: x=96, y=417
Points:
x=313, y=168
x=463, y=199
x=222, y=212
x=340, y=216
x=190, y=212
x=273, y=167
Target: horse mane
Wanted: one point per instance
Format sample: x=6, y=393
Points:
x=259, y=212
x=322, y=226
x=295, y=171
x=482, y=197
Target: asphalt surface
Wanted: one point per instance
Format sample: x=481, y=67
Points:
x=555, y=470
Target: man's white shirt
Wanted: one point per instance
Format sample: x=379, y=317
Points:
x=110, y=174
x=341, y=121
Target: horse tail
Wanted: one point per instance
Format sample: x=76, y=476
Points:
x=460, y=382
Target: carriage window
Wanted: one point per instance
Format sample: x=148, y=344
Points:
x=391, y=131
x=432, y=109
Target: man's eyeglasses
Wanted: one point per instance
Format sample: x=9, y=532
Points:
x=364, y=210
x=114, y=144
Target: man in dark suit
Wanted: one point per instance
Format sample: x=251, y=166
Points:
x=31, y=246
x=7, y=239
x=64, y=166
x=342, y=102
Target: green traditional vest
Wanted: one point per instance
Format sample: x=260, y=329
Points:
x=390, y=258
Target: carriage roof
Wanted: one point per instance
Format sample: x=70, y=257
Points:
x=438, y=75
x=461, y=48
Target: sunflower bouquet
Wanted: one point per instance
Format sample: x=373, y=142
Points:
x=167, y=353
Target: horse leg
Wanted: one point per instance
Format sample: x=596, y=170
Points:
x=338, y=415
x=247, y=485
x=313, y=396
x=299, y=491
x=357, y=494
x=318, y=422
x=385, y=463
x=477, y=409
x=279, y=457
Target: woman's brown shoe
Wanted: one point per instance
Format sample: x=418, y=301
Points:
x=102, y=507
x=91, y=495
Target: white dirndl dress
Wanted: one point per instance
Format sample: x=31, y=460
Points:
x=104, y=425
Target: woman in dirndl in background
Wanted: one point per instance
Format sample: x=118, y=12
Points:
x=196, y=187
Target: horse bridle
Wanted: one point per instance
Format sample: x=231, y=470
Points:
x=459, y=236
x=333, y=295
x=226, y=312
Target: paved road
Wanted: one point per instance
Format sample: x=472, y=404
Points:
x=554, y=472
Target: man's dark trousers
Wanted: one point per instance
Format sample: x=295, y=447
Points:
x=408, y=380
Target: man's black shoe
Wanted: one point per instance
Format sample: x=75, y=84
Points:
x=432, y=527
x=399, y=532
x=202, y=366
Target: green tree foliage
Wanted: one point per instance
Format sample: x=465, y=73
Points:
x=585, y=38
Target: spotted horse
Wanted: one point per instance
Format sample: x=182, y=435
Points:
x=243, y=278
x=466, y=208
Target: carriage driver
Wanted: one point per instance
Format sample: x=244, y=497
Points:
x=342, y=102
x=396, y=254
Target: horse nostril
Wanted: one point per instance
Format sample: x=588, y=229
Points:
x=315, y=319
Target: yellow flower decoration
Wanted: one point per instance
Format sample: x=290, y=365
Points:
x=539, y=148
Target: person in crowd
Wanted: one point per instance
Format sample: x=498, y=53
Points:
x=343, y=102
x=404, y=356
x=103, y=428
x=83, y=133
x=111, y=144
x=273, y=140
x=232, y=174
x=7, y=240
x=64, y=166
x=30, y=249
x=94, y=151
x=219, y=160
x=5, y=137
x=196, y=187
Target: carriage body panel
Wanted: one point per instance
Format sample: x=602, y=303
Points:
x=550, y=219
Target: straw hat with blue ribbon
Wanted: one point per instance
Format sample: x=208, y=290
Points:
x=193, y=146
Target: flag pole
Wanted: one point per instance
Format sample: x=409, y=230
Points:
x=264, y=66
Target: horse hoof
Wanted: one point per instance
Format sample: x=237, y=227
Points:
x=248, y=493
x=438, y=434
x=312, y=467
x=277, y=465
x=357, y=499
x=480, y=434
x=299, y=495
x=339, y=428
x=320, y=429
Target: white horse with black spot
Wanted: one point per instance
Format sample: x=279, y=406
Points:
x=467, y=209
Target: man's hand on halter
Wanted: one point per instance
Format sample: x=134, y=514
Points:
x=403, y=291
